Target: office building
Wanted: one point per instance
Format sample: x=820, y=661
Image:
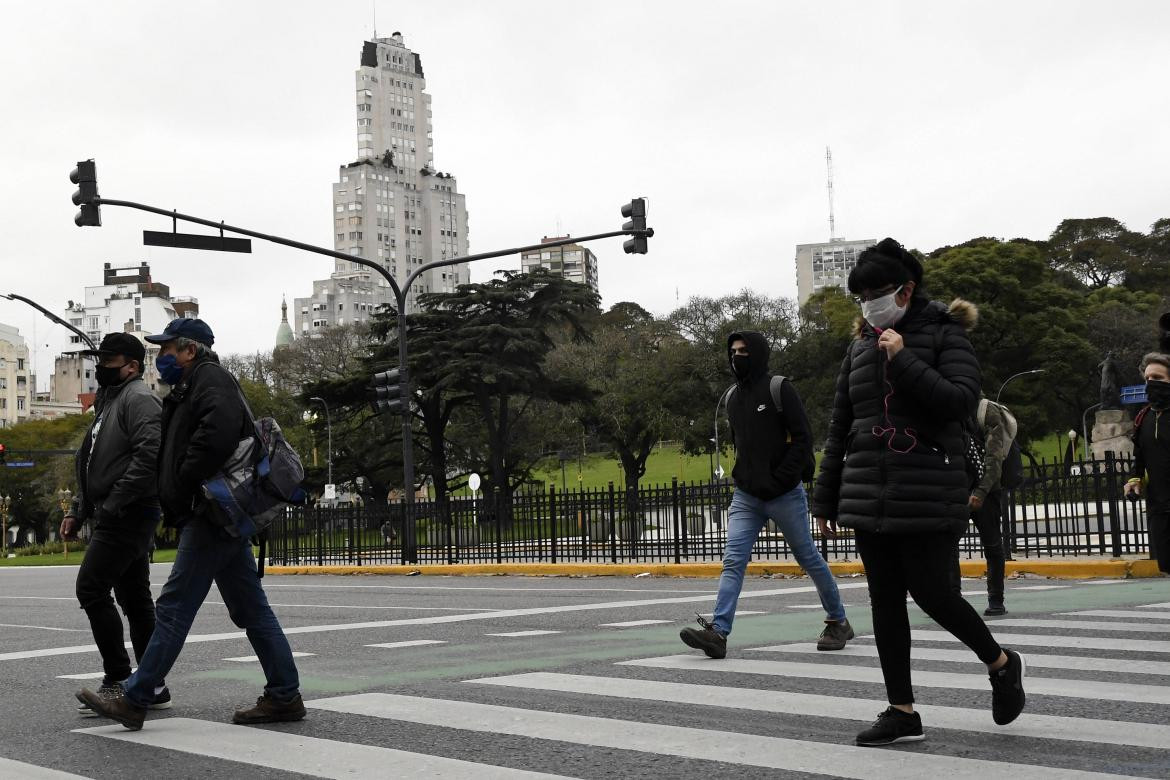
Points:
x=826, y=265
x=572, y=261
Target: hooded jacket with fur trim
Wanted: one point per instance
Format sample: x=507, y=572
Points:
x=894, y=457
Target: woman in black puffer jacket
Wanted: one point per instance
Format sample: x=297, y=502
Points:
x=893, y=470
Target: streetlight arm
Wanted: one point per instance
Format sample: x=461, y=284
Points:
x=1013, y=376
x=84, y=337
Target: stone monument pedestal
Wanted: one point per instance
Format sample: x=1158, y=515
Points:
x=1112, y=429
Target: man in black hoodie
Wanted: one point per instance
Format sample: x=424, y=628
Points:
x=773, y=447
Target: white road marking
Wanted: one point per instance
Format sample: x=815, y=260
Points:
x=791, y=755
x=252, y=659
x=633, y=623
x=431, y=620
x=1163, y=605
x=1110, y=732
x=1044, y=686
x=10, y=768
x=83, y=676
x=293, y=752
x=1116, y=644
x=409, y=643
x=360, y=606
x=534, y=632
x=533, y=589
x=1148, y=614
x=46, y=628
x=39, y=598
x=749, y=612
x=1038, y=587
x=1081, y=625
x=1107, y=582
x=1040, y=661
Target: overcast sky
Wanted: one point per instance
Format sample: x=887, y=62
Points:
x=947, y=121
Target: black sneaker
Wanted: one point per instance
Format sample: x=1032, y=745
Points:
x=995, y=609
x=891, y=727
x=1007, y=689
x=835, y=635
x=706, y=639
x=107, y=690
x=162, y=700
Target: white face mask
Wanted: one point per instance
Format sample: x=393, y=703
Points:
x=884, y=311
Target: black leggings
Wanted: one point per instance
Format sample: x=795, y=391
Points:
x=923, y=565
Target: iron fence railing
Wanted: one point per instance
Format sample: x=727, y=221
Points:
x=1060, y=509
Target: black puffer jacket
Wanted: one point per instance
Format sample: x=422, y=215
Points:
x=203, y=421
x=893, y=460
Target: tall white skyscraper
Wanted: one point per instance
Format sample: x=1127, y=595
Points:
x=391, y=205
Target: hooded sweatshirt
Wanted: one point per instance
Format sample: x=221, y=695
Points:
x=773, y=451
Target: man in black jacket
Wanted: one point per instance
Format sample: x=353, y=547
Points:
x=773, y=456
x=117, y=492
x=204, y=419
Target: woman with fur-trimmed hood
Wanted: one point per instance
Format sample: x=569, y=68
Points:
x=893, y=470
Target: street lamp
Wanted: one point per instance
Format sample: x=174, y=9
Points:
x=1013, y=376
x=329, y=435
x=5, y=505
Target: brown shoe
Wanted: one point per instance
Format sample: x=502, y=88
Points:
x=269, y=711
x=117, y=708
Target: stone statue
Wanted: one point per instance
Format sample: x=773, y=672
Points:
x=1110, y=388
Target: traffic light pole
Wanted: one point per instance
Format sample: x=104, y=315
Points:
x=410, y=542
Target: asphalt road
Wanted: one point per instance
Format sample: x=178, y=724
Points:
x=513, y=676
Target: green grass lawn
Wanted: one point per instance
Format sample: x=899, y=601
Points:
x=664, y=464
x=73, y=559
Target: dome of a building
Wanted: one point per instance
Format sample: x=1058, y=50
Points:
x=284, y=332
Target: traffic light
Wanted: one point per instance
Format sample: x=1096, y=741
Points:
x=635, y=212
x=391, y=392
x=85, y=177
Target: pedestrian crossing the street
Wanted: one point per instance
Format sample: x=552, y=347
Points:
x=1078, y=686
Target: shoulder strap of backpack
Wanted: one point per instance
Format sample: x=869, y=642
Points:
x=1141, y=415
x=775, y=386
x=982, y=413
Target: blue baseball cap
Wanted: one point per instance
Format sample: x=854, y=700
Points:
x=194, y=329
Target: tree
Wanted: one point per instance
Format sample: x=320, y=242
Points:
x=645, y=385
x=496, y=353
x=813, y=359
x=1098, y=251
x=33, y=491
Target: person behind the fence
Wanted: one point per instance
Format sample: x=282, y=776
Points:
x=998, y=429
x=117, y=492
x=893, y=471
x=1150, y=477
x=773, y=446
x=204, y=419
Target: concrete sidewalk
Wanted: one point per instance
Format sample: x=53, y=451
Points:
x=1059, y=568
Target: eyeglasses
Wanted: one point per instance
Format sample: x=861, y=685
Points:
x=868, y=296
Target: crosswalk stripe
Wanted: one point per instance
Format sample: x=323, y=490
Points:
x=1044, y=686
x=1056, y=640
x=82, y=676
x=10, y=768
x=749, y=749
x=1083, y=625
x=409, y=643
x=1149, y=614
x=1039, y=587
x=1163, y=605
x=1078, y=662
x=1090, y=730
x=292, y=752
x=534, y=632
x=634, y=623
x=252, y=659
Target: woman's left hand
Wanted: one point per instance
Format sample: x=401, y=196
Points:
x=891, y=342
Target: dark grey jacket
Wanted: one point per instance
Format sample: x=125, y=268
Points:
x=123, y=466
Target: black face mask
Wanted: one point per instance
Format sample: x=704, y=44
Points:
x=1158, y=394
x=742, y=366
x=108, y=375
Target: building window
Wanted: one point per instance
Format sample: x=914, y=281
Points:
x=20, y=364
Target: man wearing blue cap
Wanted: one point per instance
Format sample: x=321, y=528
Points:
x=204, y=419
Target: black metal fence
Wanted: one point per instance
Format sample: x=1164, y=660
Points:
x=1060, y=510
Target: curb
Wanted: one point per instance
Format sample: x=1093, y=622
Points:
x=1060, y=569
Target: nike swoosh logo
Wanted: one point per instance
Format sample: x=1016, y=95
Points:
x=761, y=408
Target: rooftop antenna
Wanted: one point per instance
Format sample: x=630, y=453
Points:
x=832, y=218
x=374, y=17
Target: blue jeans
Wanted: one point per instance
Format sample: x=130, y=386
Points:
x=745, y=520
x=206, y=554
